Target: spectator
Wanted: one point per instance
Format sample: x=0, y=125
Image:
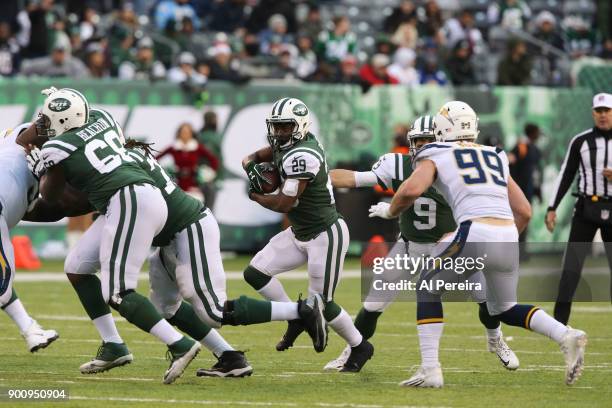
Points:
x=275, y=33
x=462, y=28
x=88, y=28
x=459, y=66
x=285, y=67
x=400, y=138
x=209, y=135
x=546, y=30
x=59, y=64
x=39, y=41
x=431, y=73
x=169, y=11
x=406, y=34
x=403, y=67
x=9, y=51
x=258, y=20
x=185, y=71
x=187, y=154
x=375, y=73
x=510, y=14
x=144, y=66
x=312, y=25
x=606, y=49
x=122, y=37
x=515, y=67
x=405, y=12
x=526, y=163
x=333, y=46
x=430, y=20
x=220, y=66
x=348, y=72
x=95, y=59
x=580, y=37
x=228, y=16
x=306, y=60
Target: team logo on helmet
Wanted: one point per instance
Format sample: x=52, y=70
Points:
x=59, y=104
x=300, y=109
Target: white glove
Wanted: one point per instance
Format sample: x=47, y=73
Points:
x=381, y=210
x=48, y=91
x=36, y=164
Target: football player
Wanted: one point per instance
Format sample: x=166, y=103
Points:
x=318, y=235
x=421, y=226
x=490, y=209
x=18, y=195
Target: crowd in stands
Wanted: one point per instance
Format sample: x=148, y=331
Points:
x=373, y=42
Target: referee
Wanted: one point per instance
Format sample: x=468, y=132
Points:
x=589, y=154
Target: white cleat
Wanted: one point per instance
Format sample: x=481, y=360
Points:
x=338, y=364
x=425, y=377
x=504, y=352
x=180, y=361
x=573, y=345
x=38, y=338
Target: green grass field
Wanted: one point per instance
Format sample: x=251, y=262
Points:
x=473, y=377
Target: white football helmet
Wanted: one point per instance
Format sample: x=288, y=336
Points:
x=288, y=123
x=63, y=110
x=422, y=128
x=456, y=121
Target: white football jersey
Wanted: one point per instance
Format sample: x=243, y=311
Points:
x=19, y=187
x=472, y=178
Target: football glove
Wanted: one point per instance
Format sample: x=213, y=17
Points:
x=48, y=91
x=254, y=172
x=381, y=210
x=36, y=164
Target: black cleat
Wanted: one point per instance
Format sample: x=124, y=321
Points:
x=229, y=364
x=360, y=355
x=311, y=313
x=294, y=329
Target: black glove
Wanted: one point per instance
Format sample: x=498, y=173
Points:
x=254, y=172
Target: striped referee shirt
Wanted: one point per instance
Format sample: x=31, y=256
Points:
x=589, y=153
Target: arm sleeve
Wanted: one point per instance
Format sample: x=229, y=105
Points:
x=567, y=173
x=212, y=159
x=386, y=169
x=365, y=179
x=301, y=165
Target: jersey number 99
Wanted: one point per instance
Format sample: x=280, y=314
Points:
x=470, y=161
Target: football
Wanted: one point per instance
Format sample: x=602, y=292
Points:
x=271, y=173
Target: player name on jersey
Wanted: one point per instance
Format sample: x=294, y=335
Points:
x=93, y=129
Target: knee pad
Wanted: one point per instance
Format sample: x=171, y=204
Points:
x=256, y=278
x=486, y=319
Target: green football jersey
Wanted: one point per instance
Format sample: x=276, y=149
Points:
x=183, y=209
x=430, y=217
x=315, y=210
x=94, y=160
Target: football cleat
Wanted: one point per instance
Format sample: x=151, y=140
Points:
x=504, y=352
x=360, y=355
x=38, y=338
x=294, y=329
x=230, y=364
x=311, y=313
x=573, y=345
x=180, y=355
x=338, y=363
x=110, y=355
x=425, y=377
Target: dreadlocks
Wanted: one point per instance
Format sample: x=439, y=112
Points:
x=135, y=144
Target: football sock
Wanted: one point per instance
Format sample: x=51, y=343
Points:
x=244, y=311
x=107, y=329
x=17, y=312
x=214, y=342
x=165, y=332
x=494, y=333
x=89, y=291
x=11, y=299
x=429, y=343
x=268, y=286
x=284, y=311
x=139, y=311
x=343, y=325
x=186, y=320
x=487, y=320
x=543, y=323
x=366, y=321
